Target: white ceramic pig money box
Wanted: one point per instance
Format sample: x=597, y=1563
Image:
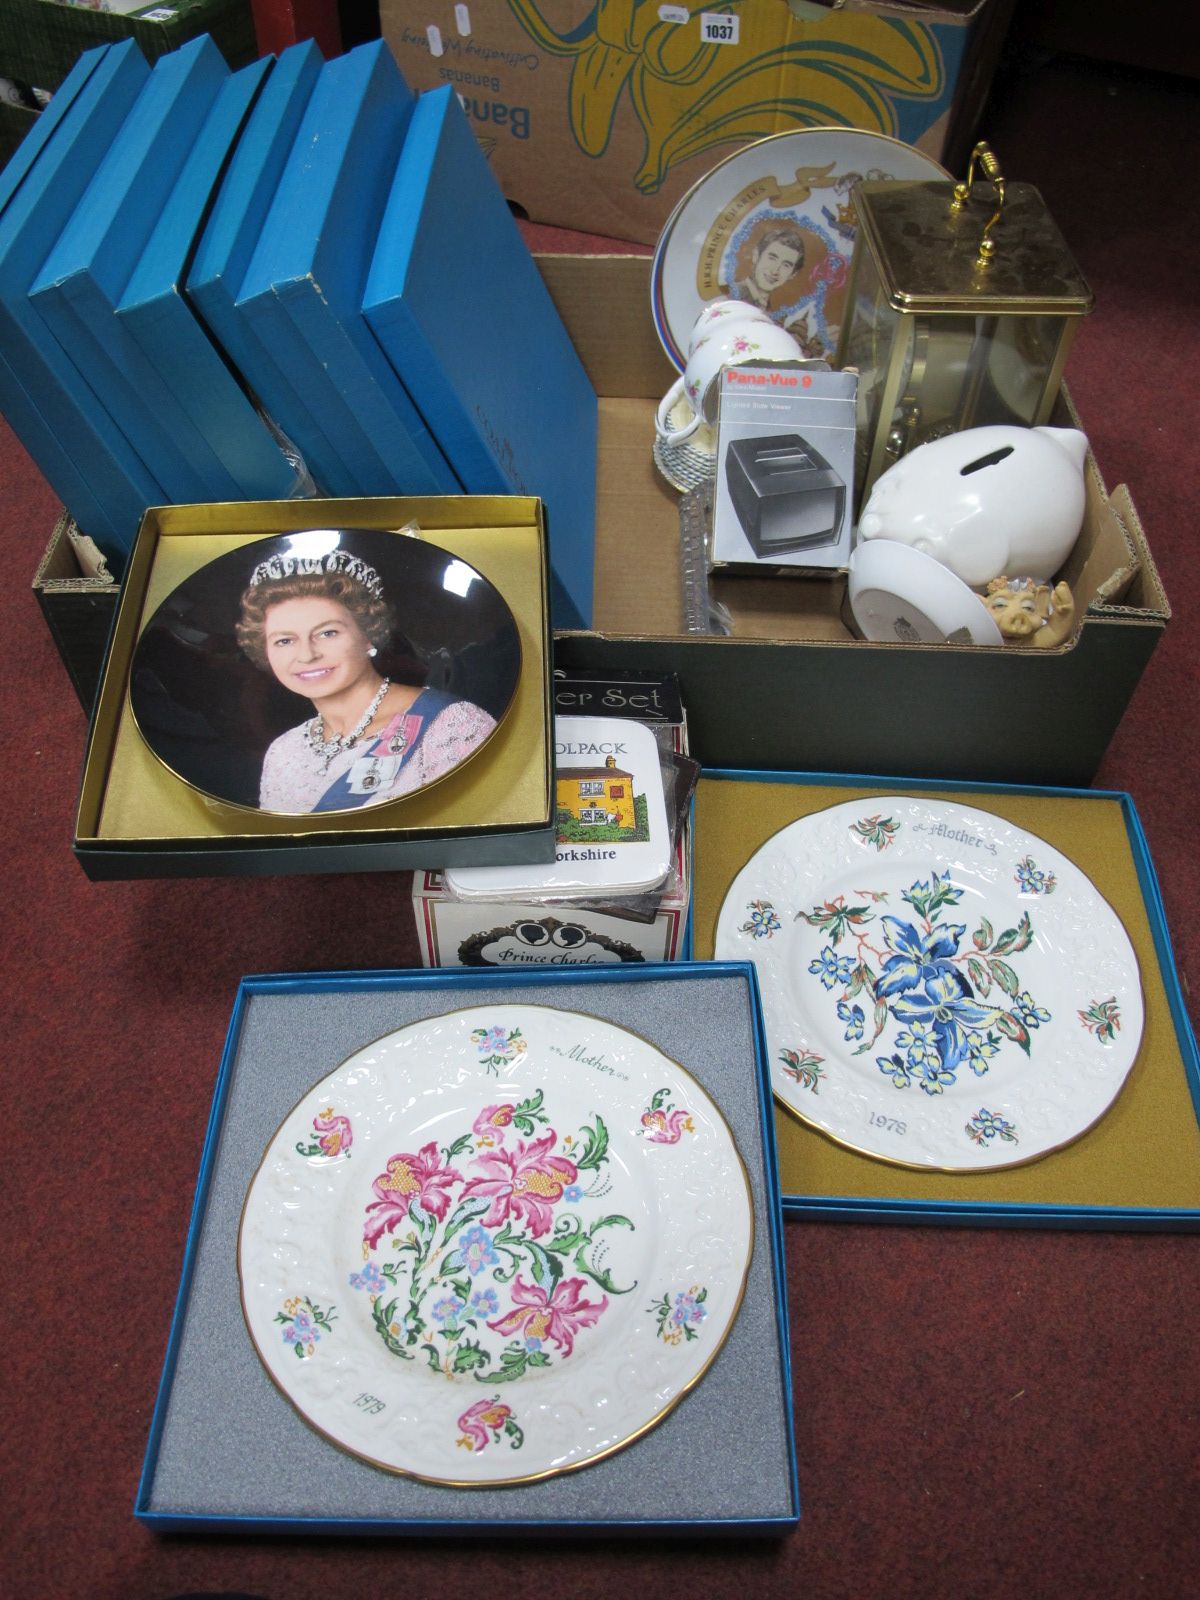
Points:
x=985, y=502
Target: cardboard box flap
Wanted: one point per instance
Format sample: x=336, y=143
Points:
x=1103, y=565
x=1144, y=593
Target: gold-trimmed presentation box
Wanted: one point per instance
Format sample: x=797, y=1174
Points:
x=138, y=819
x=1137, y=1168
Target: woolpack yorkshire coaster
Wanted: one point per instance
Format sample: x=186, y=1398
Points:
x=612, y=832
x=941, y=989
x=495, y=1245
x=324, y=671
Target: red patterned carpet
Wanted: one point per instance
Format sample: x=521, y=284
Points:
x=978, y=1413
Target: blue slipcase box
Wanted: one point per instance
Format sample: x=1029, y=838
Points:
x=1138, y=1168
x=108, y=290
x=14, y=402
x=302, y=293
x=235, y=448
x=239, y=213
x=220, y=1427
x=461, y=311
x=66, y=429
x=44, y=124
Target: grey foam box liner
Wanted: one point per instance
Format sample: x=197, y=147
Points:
x=232, y=1447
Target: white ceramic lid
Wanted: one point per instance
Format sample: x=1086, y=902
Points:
x=901, y=595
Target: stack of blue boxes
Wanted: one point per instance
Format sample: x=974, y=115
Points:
x=249, y=285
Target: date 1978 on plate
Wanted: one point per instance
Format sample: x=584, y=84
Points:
x=892, y=1124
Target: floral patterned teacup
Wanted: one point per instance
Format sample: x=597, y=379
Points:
x=722, y=313
x=730, y=346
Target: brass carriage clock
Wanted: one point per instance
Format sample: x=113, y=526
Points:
x=962, y=305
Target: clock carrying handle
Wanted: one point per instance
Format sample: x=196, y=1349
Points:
x=989, y=165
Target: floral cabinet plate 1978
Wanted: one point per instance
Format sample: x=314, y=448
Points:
x=941, y=989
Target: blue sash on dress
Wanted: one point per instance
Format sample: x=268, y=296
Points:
x=425, y=709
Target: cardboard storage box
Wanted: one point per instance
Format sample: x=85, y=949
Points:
x=137, y=818
x=1137, y=1167
x=40, y=40
x=792, y=689
x=602, y=117
x=220, y=1427
x=78, y=607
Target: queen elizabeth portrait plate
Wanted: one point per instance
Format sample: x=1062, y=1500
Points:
x=329, y=670
x=495, y=1245
x=941, y=989
x=774, y=225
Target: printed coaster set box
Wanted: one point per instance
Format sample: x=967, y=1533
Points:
x=603, y=124
x=196, y=764
x=488, y=927
x=550, y=1047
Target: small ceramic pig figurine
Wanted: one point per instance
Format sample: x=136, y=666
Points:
x=1027, y=612
x=985, y=502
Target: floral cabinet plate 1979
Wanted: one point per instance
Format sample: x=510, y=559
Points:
x=495, y=1245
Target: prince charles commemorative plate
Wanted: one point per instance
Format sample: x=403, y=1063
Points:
x=774, y=225
x=941, y=989
x=495, y=1245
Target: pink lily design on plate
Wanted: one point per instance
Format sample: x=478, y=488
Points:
x=557, y=1316
x=333, y=1133
x=408, y=1177
x=486, y=1421
x=528, y=1181
x=491, y=1123
x=666, y=1127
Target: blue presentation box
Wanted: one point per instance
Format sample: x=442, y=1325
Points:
x=234, y=447
x=239, y=213
x=108, y=290
x=44, y=125
x=484, y=353
x=302, y=293
x=1138, y=1167
x=220, y=1427
x=78, y=447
